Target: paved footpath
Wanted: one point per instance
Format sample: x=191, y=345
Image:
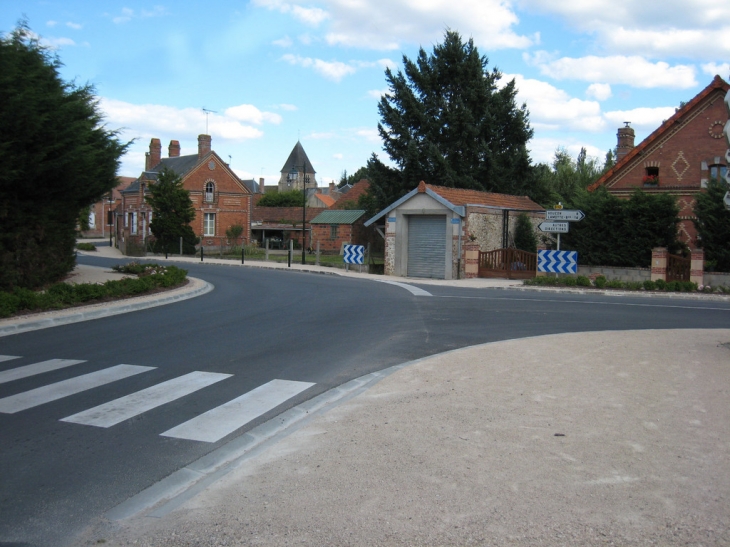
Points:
x=620, y=438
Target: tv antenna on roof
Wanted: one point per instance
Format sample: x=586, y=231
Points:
x=206, y=117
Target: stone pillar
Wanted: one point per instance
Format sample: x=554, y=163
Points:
x=659, y=263
x=471, y=259
x=540, y=247
x=697, y=267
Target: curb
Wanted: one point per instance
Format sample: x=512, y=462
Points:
x=44, y=320
x=621, y=293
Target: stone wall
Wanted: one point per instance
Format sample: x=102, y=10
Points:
x=624, y=274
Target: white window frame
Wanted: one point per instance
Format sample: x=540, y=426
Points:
x=149, y=216
x=134, y=224
x=208, y=196
x=209, y=224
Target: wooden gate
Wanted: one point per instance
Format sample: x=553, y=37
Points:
x=678, y=268
x=509, y=263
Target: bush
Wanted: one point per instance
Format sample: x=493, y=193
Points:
x=661, y=284
x=570, y=281
x=649, y=285
x=86, y=247
x=615, y=284
x=583, y=281
x=600, y=281
x=634, y=285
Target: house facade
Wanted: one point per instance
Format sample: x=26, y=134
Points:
x=678, y=158
x=220, y=198
x=99, y=212
x=427, y=230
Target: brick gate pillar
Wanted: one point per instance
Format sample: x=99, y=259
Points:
x=659, y=263
x=697, y=267
x=471, y=259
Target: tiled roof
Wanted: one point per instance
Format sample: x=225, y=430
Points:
x=333, y=216
x=353, y=194
x=329, y=201
x=461, y=196
x=717, y=83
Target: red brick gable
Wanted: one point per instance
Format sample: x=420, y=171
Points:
x=717, y=85
x=461, y=196
x=357, y=190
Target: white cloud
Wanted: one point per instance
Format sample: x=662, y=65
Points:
x=288, y=107
x=378, y=93
x=542, y=150
x=641, y=118
x=321, y=136
x=600, y=92
x=332, y=70
x=552, y=108
x=370, y=135
x=634, y=71
x=283, y=42
x=128, y=14
x=388, y=24
x=250, y=114
x=721, y=69
x=51, y=23
x=338, y=156
x=56, y=43
x=74, y=26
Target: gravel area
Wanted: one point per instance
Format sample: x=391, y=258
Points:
x=608, y=438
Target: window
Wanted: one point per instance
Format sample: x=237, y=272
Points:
x=209, y=224
x=333, y=231
x=652, y=176
x=209, y=191
x=150, y=219
x=718, y=172
x=133, y=223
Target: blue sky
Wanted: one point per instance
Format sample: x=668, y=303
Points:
x=275, y=71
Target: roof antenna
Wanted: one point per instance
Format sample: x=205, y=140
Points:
x=206, y=117
x=230, y=160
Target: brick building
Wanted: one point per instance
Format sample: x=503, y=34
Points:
x=335, y=228
x=678, y=158
x=99, y=212
x=219, y=197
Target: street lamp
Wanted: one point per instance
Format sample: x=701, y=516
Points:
x=293, y=177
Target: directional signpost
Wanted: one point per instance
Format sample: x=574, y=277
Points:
x=559, y=261
x=554, y=227
x=566, y=215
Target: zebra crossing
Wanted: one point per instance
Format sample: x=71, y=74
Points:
x=210, y=426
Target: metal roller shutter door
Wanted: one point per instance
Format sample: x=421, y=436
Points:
x=427, y=246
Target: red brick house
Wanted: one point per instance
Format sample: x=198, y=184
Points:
x=99, y=212
x=678, y=158
x=220, y=198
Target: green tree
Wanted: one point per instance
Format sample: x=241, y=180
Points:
x=292, y=198
x=57, y=158
x=525, y=239
x=447, y=121
x=713, y=225
x=173, y=212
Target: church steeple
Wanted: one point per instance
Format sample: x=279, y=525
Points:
x=297, y=161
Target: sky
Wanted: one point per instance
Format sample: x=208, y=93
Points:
x=271, y=72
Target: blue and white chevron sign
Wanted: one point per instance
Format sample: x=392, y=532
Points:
x=354, y=254
x=557, y=261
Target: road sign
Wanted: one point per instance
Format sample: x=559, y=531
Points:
x=354, y=254
x=557, y=261
x=567, y=215
x=554, y=227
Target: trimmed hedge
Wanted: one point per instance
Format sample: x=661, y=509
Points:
x=602, y=283
x=64, y=295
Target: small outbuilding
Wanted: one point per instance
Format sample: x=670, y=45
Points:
x=428, y=231
x=335, y=228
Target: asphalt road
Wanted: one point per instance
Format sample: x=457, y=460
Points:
x=257, y=325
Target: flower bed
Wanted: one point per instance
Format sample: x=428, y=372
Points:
x=600, y=282
x=151, y=277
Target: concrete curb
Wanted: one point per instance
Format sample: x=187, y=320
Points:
x=44, y=320
x=620, y=293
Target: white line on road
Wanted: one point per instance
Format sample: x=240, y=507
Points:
x=121, y=409
x=7, y=357
x=220, y=421
x=410, y=288
x=52, y=392
x=36, y=368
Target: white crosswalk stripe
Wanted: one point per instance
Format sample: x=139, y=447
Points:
x=53, y=392
x=8, y=357
x=121, y=409
x=215, y=424
x=36, y=368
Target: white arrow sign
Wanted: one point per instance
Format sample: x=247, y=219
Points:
x=554, y=227
x=567, y=215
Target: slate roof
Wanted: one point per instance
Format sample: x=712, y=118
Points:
x=353, y=194
x=334, y=216
x=717, y=83
x=252, y=185
x=297, y=158
x=181, y=165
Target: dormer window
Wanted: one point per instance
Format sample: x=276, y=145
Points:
x=209, y=192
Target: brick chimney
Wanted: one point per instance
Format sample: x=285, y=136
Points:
x=332, y=188
x=154, y=156
x=174, y=149
x=261, y=185
x=626, y=137
x=203, y=145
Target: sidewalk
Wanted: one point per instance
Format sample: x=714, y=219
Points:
x=619, y=438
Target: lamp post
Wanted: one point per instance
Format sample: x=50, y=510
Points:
x=294, y=176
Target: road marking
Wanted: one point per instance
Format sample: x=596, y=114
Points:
x=410, y=288
x=59, y=390
x=121, y=409
x=36, y=368
x=220, y=421
x=8, y=357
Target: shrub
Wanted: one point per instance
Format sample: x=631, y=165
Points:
x=86, y=247
x=570, y=281
x=649, y=285
x=600, y=282
x=661, y=284
x=615, y=284
x=634, y=285
x=583, y=281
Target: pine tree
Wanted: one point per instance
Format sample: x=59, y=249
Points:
x=445, y=120
x=525, y=239
x=57, y=158
x=713, y=225
x=172, y=213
